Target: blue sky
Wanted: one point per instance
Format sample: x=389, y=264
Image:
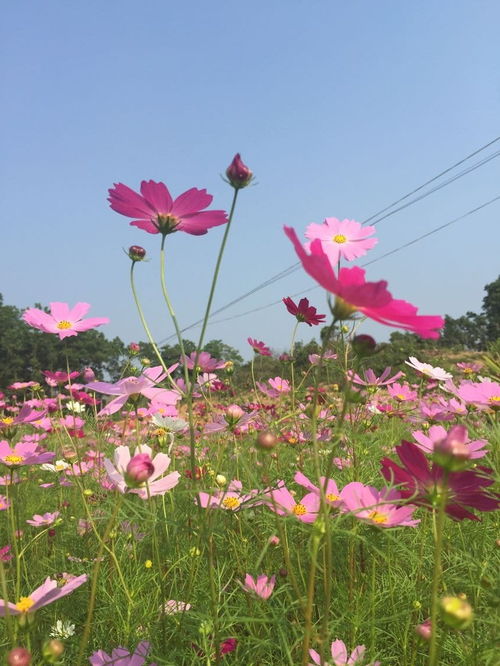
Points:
x=339, y=108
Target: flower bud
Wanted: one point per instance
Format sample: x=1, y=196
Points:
x=424, y=630
x=234, y=413
x=456, y=612
x=238, y=174
x=88, y=375
x=139, y=469
x=363, y=345
x=452, y=452
x=220, y=480
x=52, y=650
x=134, y=348
x=273, y=540
x=266, y=440
x=136, y=253
x=19, y=656
x=342, y=310
x=146, y=361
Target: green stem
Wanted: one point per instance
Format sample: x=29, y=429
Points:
x=310, y=600
x=436, y=579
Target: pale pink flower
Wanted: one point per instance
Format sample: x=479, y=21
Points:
x=377, y=506
x=340, y=656
x=204, y=362
x=121, y=657
x=371, y=380
x=25, y=415
x=4, y=503
x=156, y=484
x=281, y=501
x=332, y=493
x=45, y=520
x=278, y=386
x=428, y=370
x=172, y=606
x=482, y=394
x=342, y=240
x=62, y=320
x=231, y=499
x=327, y=356
x=402, y=392
x=437, y=433
x=156, y=212
x=263, y=586
x=23, y=453
x=50, y=591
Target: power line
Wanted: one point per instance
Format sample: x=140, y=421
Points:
x=367, y=263
x=294, y=267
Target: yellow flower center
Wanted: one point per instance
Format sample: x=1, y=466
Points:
x=377, y=517
x=495, y=399
x=468, y=371
x=14, y=460
x=8, y=420
x=340, y=238
x=299, y=510
x=63, y=324
x=332, y=498
x=231, y=502
x=24, y=604
x=400, y=396
x=160, y=432
x=292, y=440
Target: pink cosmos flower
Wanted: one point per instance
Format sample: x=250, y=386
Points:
x=281, y=501
x=437, y=433
x=58, y=377
x=377, y=506
x=121, y=657
x=469, y=368
x=421, y=483
x=428, y=370
x=155, y=484
x=340, y=657
x=304, y=312
x=370, y=298
x=482, y=394
x=278, y=386
x=5, y=554
x=172, y=606
x=4, y=503
x=62, y=320
x=26, y=415
x=144, y=385
x=234, y=420
x=259, y=347
x=402, y=392
x=50, y=591
x=231, y=499
x=45, y=520
x=327, y=356
x=19, y=386
x=371, y=380
x=263, y=586
x=332, y=493
x=156, y=212
x=204, y=363
x=23, y=453
x=347, y=239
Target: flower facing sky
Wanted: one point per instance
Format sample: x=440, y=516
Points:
x=340, y=655
x=354, y=293
x=121, y=657
x=262, y=586
x=304, y=312
x=45, y=594
x=155, y=211
x=344, y=239
x=428, y=370
x=63, y=320
x=259, y=347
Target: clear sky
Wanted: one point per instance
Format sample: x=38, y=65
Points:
x=338, y=107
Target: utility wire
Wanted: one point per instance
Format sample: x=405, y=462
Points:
x=367, y=263
x=294, y=267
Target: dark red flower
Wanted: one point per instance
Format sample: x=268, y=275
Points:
x=304, y=312
x=259, y=347
x=423, y=483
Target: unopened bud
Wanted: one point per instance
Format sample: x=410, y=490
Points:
x=238, y=174
x=19, y=656
x=52, y=650
x=136, y=252
x=363, y=345
x=88, y=375
x=220, y=480
x=266, y=440
x=139, y=469
x=424, y=630
x=456, y=612
x=145, y=361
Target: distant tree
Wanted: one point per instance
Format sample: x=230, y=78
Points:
x=222, y=351
x=491, y=310
x=466, y=332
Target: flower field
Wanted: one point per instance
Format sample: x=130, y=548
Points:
x=170, y=516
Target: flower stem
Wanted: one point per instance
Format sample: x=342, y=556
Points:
x=436, y=579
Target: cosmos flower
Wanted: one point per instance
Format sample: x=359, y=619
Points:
x=353, y=293
x=121, y=657
x=332, y=493
x=259, y=347
x=156, y=212
x=377, y=506
x=50, y=591
x=482, y=394
x=154, y=484
x=281, y=501
x=423, y=483
x=428, y=370
x=304, y=312
x=262, y=586
x=342, y=240
x=231, y=499
x=437, y=433
x=371, y=380
x=44, y=521
x=62, y=320
x=340, y=656
x=23, y=453
x=204, y=362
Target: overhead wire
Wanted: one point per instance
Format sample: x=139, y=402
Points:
x=295, y=266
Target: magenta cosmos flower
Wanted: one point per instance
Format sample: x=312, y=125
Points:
x=262, y=586
x=62, y=320
x=355, y=294
x=259, y=347
x=332, y=493
x=44, y=595
x=121, y=657
x=340, y=656
x=126, y=480
x=371, y=380
x=377, y=507
x=483, y=394
x=304, y=312
x=144, y=385
x=423, y=483
x=282, y=502
x=156, y=212
x=204, y=362
x=342, y=240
